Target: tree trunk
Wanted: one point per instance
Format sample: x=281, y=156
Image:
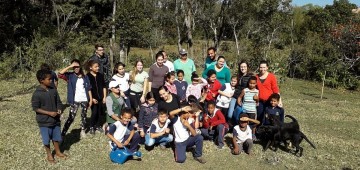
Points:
x=112, y=39
x=122, y=53
x=177, y=24
x=236, y=40
x=188, y=23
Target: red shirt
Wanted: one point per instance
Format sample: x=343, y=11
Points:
x=213, y=90
x=267, y=88
x=216, y=119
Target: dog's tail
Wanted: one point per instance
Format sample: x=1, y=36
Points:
x=291, y=117
x=307, y=140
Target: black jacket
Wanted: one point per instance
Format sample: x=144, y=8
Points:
x=48, y=100
x=97, y=85
x=104, y=66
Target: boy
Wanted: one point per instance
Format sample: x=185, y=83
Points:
x=213, y=123
x=183, y=140
x=159, y=131
x=114, y=103
x=122, y=133
x=242, y=135
x=274, y=114
x=46, y=103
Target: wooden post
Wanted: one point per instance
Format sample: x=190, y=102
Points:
x=323, y=85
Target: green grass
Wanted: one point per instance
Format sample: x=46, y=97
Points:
x=332, y=124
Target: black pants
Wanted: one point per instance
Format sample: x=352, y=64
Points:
x=135, y=101
x=97, y=110
x=73, y=109
x=156, y=94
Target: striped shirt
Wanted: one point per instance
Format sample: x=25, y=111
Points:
x=249, y=104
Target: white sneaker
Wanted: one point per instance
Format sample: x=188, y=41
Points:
x=82, y=133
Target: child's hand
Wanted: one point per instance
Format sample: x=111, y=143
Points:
x=52, y=114
x=185, y=123
x=186, y=109
x=59, y=112
x=95, y=101
x=142, y=99
x=197, y=114
x=126, y=143
x=122, y=94
x=167, y=130
x=119, y=145
x=244, y=119
x=142, y=134
x=256, y=97
x=236, y=151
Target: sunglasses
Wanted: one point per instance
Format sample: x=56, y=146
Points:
x=116, y=87
x=76, y=67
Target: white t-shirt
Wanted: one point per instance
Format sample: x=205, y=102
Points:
x=122, y=81
x=180, y=131
x=155, y=127
x=240, y=135
x=118, y=130
x=170, y=65
x=137, y=85
x=80, y=93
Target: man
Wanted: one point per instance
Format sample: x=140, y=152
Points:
x=211, y=58
x=167, y=62
x=186, y=64
x=104, y=62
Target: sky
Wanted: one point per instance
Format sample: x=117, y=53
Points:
x=320, y=2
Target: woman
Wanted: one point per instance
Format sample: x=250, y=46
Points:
x=138, y=86
x=157, y=74
x=223, y=73
x=169, y=101
x=267, y=85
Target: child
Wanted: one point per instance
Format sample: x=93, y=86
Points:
x=274, y=111
x=78, y=94
x=98, y=92
x=122, y=133
x=181, y=86
x=196, y=86
x=183, y=140
x=226, y=92
x=248, y=99
x=213, y=86
x=242, y=136
x=214, y=123
x=169, y=82
x=159, y=131
x=114, y=103
x=46, y=103
x=148, y=112
x=123, y=80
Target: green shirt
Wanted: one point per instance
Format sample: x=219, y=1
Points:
x=188, y=67
x=138, y=83
x=224, y=75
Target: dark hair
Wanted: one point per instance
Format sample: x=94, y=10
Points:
x=275, y=96
x=126, y=111
x=212, y=48
x=45, y=66
x=42, y=74
x=181, y=106
x=210, y=73
x=162, y=112
x=98, y=45
x=234, y=77
x=251, y=78
x=192, y=99
x=159, y=55
x=149, y=95
x=78, y=61
x=90, y=63
x=264, y=62
x=220, y=57
x=211, y=102
x=115, y=71
x=194, y=76
x=163, y=88
x=240, y=74
x=180, y=71
x=161, y=51
x=169, y=74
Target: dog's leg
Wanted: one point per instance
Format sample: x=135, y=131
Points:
x=267, y=145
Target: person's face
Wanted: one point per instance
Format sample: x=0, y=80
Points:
x=160, y=61
x=125, y=118
x=186, y=115
x=243, y=68
x=180, y=76
x=211, y=109
x=252, y=84
x=121, y=70
x=171, y=80
x=76, y=67
x=116, y=89
x=100, y=51
x=233, y=82
x=211, y=54
x=274, y=102
x=183, y=56
x=263, y=68
x=151, y=101
x=164, y=94
x=165, y=56
x=162, y=118
x=243, y=124
x=95, y=67
x=221, y=62
x=139, y=66
x=212, y=78
x=47, y=81
x=195, y=82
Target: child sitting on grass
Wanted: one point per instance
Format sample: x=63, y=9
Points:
x=114, y=103
x=46, y=102
x=148, y=112
x=242, y=135
x=159, y=133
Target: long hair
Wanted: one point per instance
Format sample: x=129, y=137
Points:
x=239, y=73
x=115, y=71
x=135, y=71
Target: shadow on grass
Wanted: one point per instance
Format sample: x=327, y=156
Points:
x=317, y=96
x=70, y=139
x=228, y=141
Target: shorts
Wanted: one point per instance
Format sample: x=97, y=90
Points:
x=50, y=133
x=252, y=115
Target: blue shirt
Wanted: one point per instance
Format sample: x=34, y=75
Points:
x=277, y=111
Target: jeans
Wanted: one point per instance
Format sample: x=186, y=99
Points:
x=220, y=132
x=232, y=105
x=162, y=140
x=261, y=109
x=180, y=148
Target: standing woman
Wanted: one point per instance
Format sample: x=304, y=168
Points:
x=138, y=86
x=267, y=85
x=157, y=74
x=223, y=74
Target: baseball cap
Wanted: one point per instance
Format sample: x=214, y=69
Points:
x=183, y=52
x=113, y=84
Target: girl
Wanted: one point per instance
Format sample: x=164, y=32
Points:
x=114, y=103
x=169, y=82
x=196, y=86
x=122, y=79
x=181, y=86
x=138, y=86
x=148, y=112
x=98, y=92
x=78, y=94
x=226, y=93
x=157, y=74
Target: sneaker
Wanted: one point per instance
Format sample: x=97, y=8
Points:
x=82, y=133
x=92, y=131
x=220, y=147
x=200, y=159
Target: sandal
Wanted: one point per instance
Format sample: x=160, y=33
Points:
x=63, y=156
x=51, y=161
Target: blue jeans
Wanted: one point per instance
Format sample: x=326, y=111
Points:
x=162, y=140
x=231, y=108
x=180, y=148
x=219, y=131
x=261, y=109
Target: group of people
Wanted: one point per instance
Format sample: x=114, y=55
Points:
x=170, y=105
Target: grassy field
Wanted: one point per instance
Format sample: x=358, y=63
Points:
x=332, y=124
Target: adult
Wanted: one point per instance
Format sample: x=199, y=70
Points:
x=169, y=101
x=157, y=74
x=167, y=62
x=223, y=73
x=138, y=86
x=104, y=62
x=186, y=64
x=211, y=58
x=267, y=85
